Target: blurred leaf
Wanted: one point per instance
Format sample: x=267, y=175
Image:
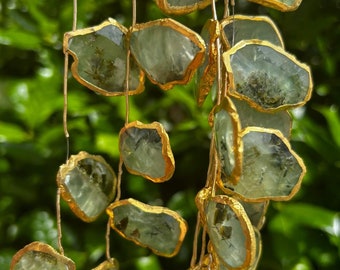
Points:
x=108, y=143
x=148, y=263
x=12, y=133
x=20, y=39
x=333, y=119
x=291, y=215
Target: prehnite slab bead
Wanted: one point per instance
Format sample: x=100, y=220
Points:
x=249, y=116
x=270, y=169
x=179, y=51
x=100, y=56
x=87, y=184
x=239, y=27
x=180, y=7
x=256, y=212
x=266, y=76
x=145, y=150
x=282, y=5
x=155, y=227
x=206, y=73
x=229, y=228
x=40, y=256
x=226, y=127
x=111, y=264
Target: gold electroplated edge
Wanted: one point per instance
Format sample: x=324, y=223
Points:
x=227, y=105
x=247, y=228
x=299, y=160
x=112, y=262
x=278, y=5
x=74, y=66
x=43, y=248
x=183, y=226
x=166, y=150
x=232, y=89
x=209, y=74
x=185, y=31
x=181, y=10
x=240, y=17
x=65, y=194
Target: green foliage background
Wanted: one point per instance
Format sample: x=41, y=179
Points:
x=301, y=234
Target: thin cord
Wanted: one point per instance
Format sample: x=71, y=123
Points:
x=218, y=47
x=226, y=8
x=107, y=238
x=60, y=246
x=204, y=241
x=194, y=252
x=233, y=14
x=66, y=133
x=75, y=10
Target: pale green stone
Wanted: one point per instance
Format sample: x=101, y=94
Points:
x=102, y=59
x=251, y=117
x=163, y=52
x=184, y=3
x=141, y=150
x=224, y=138
x=269, y=169
x=226, y=233
x=158, y=231
x=35, y=260
x=268, y=77
x=90, y=184
x=246, y=28
x=255, y=212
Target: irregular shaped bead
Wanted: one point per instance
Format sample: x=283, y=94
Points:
x=270, y=168
x=155, y=227
x=239, y=27
x=230, y=230
x=37, y=255
x=181, y=7
x=266, y=76
x=145, y=150
x=228, y=144
x=87, y=184
x=100, y=56
x=282, y=5
x=177, y=61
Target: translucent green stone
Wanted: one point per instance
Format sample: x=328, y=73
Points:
x=230, y=232
x=256, y=212
x=180, y=6
x=282, y=5
x=266, y=76
x=226, y=128
x=88, y=184
x=100, y=59
x=237, y=28
x=223, y=129
x=249, y=116
x=175, y=61
x=271, y=170
x=145, y=150
x=155, y=227
x=40, y=256
x=33, y=260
